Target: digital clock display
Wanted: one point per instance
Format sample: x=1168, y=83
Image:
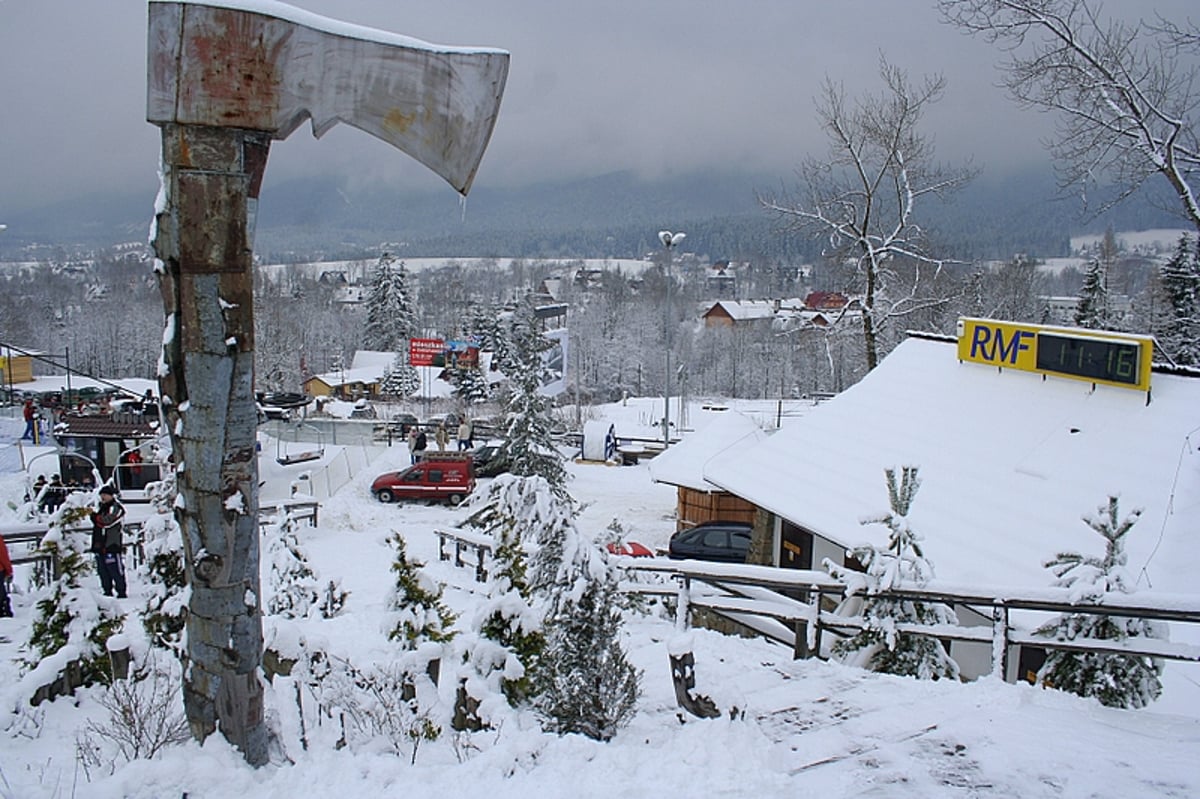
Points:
x=1092, y=358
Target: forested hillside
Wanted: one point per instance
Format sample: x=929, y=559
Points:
x=615, y=215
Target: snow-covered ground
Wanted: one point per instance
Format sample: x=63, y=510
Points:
x=800, y=727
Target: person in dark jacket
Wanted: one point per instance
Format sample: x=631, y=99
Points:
x=107, y=543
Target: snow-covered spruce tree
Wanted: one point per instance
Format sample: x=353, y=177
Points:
x=489, y=325
x=584, y=683
x=1180, y=283
x=509, y=628
x=1116, y=680
x=470, y=384
x=400, y=379
x=1091, y=311
x=880, y=646
x=417, y=612
x=528, y=447
x=164, y=613
x=517, y=511
x=293, y=589
x=67, y=612
x=390, y=319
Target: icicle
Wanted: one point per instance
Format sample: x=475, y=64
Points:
x=462, y=206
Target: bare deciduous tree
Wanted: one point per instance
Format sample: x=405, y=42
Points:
x=864, y=194
x=1125, y=94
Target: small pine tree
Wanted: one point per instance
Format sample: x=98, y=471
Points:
x=1128, y=681
x=1092, y=309
x=164, y=615
x=333, y=599
x=584, y=682
x=293, y=585
x=67, y=612
x=508, y=620
x=415, y=603
x=400, y=379
x=469, y=383
x=880, y=645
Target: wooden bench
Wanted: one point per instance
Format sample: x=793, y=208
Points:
x=629, y=454
x=299, y=509
x=466, y=541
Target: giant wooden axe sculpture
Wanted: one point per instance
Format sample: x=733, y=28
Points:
x=224, y=79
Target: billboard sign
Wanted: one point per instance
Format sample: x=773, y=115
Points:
x=1097, y=356
x=423, y=351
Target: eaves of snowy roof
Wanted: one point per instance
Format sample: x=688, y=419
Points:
x=344, y=377
x=1009, y=462
x=724, y=433
x=375, y=359
x=746, y=310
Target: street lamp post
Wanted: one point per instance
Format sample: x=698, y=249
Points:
x=670, y=241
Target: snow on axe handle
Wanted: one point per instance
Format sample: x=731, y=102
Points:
x=266, y=66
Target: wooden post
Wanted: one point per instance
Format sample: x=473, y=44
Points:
x=119, y=659
x=683, y=677
x=800, y=645
x=211, y=176
x=1000, y=641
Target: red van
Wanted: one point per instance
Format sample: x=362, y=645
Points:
x=443, y=478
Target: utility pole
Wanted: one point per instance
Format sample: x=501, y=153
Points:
x=670, y=241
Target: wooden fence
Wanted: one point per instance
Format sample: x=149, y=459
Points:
x=795, y=607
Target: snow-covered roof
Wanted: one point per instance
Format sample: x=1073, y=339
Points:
x=718, y=434
x=373, y=359
x=748, y=310
x=1009, y=462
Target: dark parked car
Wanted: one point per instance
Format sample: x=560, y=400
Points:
x=488, y=459
x=726, y=542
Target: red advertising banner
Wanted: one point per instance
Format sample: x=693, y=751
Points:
x=422, y=351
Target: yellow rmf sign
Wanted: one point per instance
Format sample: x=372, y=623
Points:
x=1096, y=356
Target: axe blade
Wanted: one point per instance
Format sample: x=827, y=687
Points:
x=267, y=66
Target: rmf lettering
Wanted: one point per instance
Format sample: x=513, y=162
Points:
x=988, y=344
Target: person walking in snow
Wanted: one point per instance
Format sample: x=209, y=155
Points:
x=30, y=414
x=464, y=436
x=107, y=543
x=441, y=437
x=419, y=447
x=412, y=444
x=6, y=575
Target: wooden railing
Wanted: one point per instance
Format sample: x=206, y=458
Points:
x=477, y=545
x=794, y=607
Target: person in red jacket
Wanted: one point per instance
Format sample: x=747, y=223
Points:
x=6, y=573
x=30, y=414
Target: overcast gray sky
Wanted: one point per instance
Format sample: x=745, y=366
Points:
x=650, y=85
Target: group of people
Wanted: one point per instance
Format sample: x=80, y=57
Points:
x=49, y=496
x=418, y=442
x=107, y=547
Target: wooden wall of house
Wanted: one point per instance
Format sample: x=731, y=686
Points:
x=17, y=370
x=695, y=507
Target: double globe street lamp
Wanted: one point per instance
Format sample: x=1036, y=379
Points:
x=669, y=241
